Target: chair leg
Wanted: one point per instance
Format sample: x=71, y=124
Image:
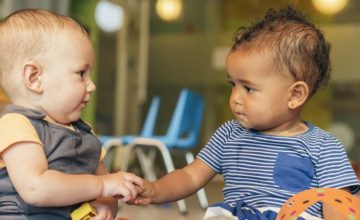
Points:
x=113, y=142
x=147, y=162
x=126, y=156
x=169, y=168
x=201, y=192
x=164, y=153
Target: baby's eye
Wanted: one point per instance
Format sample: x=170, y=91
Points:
x=82, y=73
x=249, y=89
x=231, y=83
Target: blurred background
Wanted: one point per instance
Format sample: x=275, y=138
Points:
x=157, y=47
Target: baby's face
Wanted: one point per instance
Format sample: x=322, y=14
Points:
x=260, y=95
x=66, y=77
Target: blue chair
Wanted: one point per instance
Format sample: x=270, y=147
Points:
x=109, y=141
x=183, y=133
x=147, y=130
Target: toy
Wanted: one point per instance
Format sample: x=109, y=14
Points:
x=347, y=204
x=84, y=212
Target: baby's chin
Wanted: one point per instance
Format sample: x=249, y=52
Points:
x=68, y=120
x=243, y=124
x=247, y=126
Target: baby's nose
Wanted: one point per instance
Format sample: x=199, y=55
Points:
x=90, y=86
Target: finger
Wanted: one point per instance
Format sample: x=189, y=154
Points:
x=99, y=216
x=138, y=181
x=139, y=189
x=107, y=215
x=134, y=179
x=131, y=188
x=141, y=201
x=119, y=197
x=111, y=216
x=124, y=193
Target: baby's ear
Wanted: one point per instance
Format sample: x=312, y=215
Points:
x=31, y=74
x=299, y=93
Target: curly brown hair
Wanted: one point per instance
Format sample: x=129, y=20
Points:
x=297, y=46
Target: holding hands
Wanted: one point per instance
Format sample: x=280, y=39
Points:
x=121, y=185
x=146, y=195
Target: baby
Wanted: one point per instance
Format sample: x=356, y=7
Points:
x=267, y=153
x=50, y=160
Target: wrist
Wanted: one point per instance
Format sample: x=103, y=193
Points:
x=154, y=194
x=101, y=187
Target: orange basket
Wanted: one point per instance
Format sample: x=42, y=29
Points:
x=347, y=204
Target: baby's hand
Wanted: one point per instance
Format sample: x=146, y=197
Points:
x=145, y=194
x=103, y=211
x=121, y=184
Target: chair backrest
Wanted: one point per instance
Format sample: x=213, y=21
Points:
x=149, y=123
x=150, y=120
x=185, y=124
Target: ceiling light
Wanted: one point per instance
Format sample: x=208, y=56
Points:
x=168, y=10
x=329, y=6
x=109, y=16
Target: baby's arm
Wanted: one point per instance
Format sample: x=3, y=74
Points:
x=37, y=185
x=176, y=185
x=106, y=207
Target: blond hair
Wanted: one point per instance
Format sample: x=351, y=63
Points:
x=27, y=34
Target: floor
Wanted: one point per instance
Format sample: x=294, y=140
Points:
x=170, y=211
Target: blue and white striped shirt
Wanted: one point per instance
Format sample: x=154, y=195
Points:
x=264, y=171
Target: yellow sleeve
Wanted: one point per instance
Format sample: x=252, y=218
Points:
x=15, y=128
x=103, y=154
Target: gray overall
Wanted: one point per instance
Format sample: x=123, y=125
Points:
x=68, y=151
